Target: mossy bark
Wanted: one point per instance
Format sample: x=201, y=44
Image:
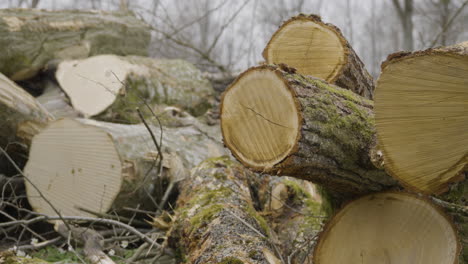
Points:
x=32, y=37
x=216, y=221
x=295, y=210
x=21, y=117
x=182, y=149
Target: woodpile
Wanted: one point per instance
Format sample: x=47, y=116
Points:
x=300, y=119
x=109, y=139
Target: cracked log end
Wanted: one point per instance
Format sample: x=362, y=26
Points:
x=422, y=117
x=319, y=49
x=388, y=228
x=260, y=120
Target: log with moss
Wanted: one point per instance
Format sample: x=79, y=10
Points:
x=86, y=166
x=110, y=87
x=21, y=116
x=421, y=114
x=295, y=210
x=216, y=221
x=319, y=49
x=32, y=37
x=279, y=122
x=393, y=227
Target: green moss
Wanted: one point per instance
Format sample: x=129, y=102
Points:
x=205, y=215
x=314, y=211
x=53, y=254
x=216, y=162
x=260, y=220
x=231, y=260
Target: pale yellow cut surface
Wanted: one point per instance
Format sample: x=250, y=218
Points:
x=421, y=108
x=309, y=47
x=260, y=121
x=93, y=84
x=388, y=228
x=73, y=165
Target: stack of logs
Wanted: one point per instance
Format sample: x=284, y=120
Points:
x=394, y=183
x=394, y=169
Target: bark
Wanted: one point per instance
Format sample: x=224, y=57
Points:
x=116, y=85
x=123, y=156
x=295, y=210
x=216, y=221
x=336, y=142
x=349, y=73
x=56, y=102
x=29, y=37
x=21, y=116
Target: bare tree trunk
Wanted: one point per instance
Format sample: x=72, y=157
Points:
x=405, y=13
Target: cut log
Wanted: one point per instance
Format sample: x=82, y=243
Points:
x=319, y=49
x=103, y=166
x=112, y=87
x=216, y=221
x=295, y=210
x=284, y=123
x=389, y=227
x=33, y=37
x=56, y=102
x=20, y=114
x=422, y=117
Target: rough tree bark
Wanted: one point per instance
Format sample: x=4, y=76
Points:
x=110, y=87
x=295, y=210
x=319, y=49
x=216, y=221
x=103, y=166
x=32, y=37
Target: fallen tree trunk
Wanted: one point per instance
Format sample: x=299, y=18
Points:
x=392, y=227
x=284, y=123
x=111, y=87
x=422, y=117
x=319, y=49
x=101, y=166
x=21, y=116
x=216, y=221
x=29, y=37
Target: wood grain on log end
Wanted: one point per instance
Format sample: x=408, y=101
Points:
x=389, y=227
x=319, y=49
x=422, y=117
